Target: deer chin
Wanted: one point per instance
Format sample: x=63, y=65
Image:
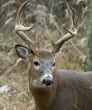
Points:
x=39, y=84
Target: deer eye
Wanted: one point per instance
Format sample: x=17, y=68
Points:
x=36, y=63
x=53, y=64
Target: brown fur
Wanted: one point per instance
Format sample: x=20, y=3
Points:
x=70, y=91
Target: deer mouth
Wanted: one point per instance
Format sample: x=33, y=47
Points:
x=39, y=84
x=45, y=81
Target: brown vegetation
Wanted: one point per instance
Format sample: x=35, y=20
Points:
x=71, y=56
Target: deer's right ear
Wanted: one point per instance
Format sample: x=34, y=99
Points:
x=22, y=51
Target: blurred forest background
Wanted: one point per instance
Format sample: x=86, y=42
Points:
x=76, y=54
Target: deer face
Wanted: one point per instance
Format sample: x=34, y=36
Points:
x=42, y=64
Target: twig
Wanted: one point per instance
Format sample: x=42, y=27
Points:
x=13, y=66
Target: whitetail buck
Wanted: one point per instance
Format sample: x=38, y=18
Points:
x=53, y=89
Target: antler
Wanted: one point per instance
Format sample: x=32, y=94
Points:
x=19, y=28
x=72, y=31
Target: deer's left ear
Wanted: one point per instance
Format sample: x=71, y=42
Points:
x=22, y=51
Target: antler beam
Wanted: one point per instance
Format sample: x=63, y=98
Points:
x=72, y=31
x=19, y=28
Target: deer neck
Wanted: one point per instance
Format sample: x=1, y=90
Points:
x=44, y=96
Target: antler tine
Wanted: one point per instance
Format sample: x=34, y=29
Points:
x=71, y=23
x=19, y=28
x=71, y=32
x=19, y=11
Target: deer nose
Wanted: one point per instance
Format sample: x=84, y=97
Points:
x=48, y=81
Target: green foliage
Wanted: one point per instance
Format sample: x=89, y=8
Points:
x=1, y=83
x=89, y=47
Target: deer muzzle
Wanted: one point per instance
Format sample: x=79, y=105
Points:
x=47, y=80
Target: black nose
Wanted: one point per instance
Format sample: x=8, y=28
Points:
x=48, y=81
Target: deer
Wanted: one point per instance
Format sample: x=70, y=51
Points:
x=52, y=88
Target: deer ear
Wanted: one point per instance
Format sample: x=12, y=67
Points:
x=22, y=51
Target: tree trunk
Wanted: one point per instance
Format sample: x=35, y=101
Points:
x=89, y=47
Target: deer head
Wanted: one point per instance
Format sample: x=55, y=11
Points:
x=42, y=62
